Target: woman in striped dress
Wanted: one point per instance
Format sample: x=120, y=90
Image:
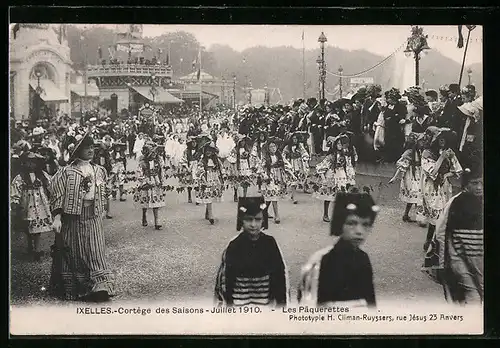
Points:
x=252, y=271
x=77, y=198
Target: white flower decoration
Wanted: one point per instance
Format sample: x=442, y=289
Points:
x=263, y=206
x=351, y=206
x=78, y=137
x=71, y=147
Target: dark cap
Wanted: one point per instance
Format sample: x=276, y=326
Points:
x=251, y=206
x=346, y=203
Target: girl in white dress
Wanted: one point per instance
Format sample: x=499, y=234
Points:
x=208, y=177
x=276, y=172
x=409, y=170
x=439, y=163
x=336, y=171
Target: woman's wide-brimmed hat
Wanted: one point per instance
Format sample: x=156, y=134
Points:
x=159, y=139
x=46, y=152
x=347, y=203
x=469, y=90
x=392, y=94
x=206, y=142
x=431, y=93
x=82, y=141
x=21, y=146
x=473, y=109
x=445, y=133
x=331, y=141
x=300, y=135
x=415, y=96
x=444, y=90
x=374, y=91
x=149, y=147
x=119, y=145
x=274, y=140
x=360, y=94
x=260, y=132
x=31, y=157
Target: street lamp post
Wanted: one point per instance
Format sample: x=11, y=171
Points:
x=322, y=39
x=39, y=91
x=84, y=51
x=469, y=74
x=234, y=91
x=417, y=44
x=153, y=91
x=318, y=62
x=340, y=80
x=223, y=92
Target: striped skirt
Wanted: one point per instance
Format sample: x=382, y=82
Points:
x=79, y=265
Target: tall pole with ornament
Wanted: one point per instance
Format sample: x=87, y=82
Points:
x=322, y=76
x=416, y=45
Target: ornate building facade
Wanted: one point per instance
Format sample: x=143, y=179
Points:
x=40, y=69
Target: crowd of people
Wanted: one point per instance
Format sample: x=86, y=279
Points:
x=66, y=179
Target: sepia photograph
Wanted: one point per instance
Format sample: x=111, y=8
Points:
x=245, y=179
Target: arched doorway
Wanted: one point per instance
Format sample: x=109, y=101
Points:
x=40, y=107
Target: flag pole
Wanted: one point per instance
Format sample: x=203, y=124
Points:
x=199, y=78
x=303, y=67
x=463, y=60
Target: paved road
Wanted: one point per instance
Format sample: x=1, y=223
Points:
x=180, y=261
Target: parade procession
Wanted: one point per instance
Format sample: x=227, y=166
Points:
x=146, y=169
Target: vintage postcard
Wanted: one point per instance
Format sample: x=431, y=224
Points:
x=245, y=179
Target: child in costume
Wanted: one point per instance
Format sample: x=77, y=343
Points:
x=410, y=168
x=252, y=271
x=29, y=198
x=276, y=173
x=209, y=177
x=296, y=154
x=336, y=171
x=187, y=166
x=150, y=191
x=343, y=273
x=241, y=174
x=439, y=163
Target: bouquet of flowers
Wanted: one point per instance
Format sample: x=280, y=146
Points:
x=86, y=182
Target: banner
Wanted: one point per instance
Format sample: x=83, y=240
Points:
x=134, y=48
x=121, y=47
x=137, y=48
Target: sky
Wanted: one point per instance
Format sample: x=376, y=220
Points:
x=378, y=39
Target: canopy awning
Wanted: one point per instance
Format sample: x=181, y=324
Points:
x=79, y=89
x=50, y=91
x=188, y=94
x=162, y=96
